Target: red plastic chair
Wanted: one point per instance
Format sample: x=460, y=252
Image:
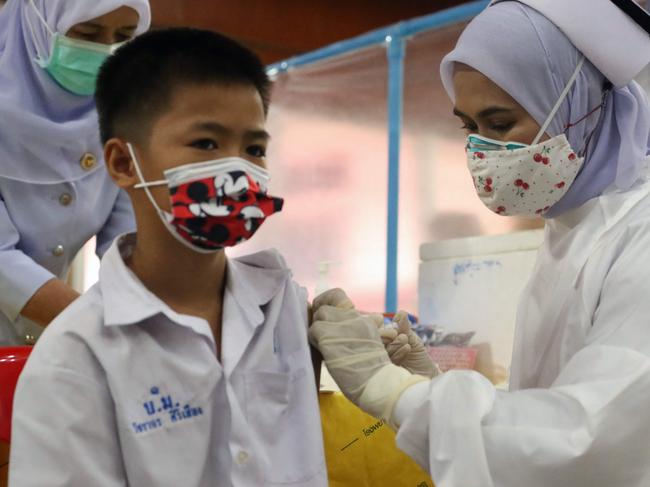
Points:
x=12, y=361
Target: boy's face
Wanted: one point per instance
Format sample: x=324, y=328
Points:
x=202, y=123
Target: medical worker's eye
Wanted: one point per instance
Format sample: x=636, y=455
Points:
x=204, y=144
x=502, y=127
x=256, y=151
x=119, y=37
x=85, y=35
x=469, y=127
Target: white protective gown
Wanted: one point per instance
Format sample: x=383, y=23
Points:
x=578, y=413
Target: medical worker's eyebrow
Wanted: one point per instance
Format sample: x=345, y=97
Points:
x=220, y=129
x=92, y=25
x=496, y=110
x=493, y=111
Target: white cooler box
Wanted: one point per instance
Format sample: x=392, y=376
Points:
x=473, y=284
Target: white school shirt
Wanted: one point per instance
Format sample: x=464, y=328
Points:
x=577, y=414
x=121, y=390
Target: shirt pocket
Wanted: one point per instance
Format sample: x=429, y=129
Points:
x=280, y=411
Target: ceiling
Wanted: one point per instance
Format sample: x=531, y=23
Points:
x=279, y=29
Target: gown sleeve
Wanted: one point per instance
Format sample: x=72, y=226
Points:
x=591, y=427
x=20, y=275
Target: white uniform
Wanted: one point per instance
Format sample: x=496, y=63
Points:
x=121, y=390
x=578, y=414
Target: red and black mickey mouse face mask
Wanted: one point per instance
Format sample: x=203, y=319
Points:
x=215, y=204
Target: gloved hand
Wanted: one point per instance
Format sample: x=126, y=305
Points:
x=333, y=297
x=356, y=358
x=406, y=349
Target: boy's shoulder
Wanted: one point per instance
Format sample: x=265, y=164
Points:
x=266, y=270
x=84, y=314
x=67, y=342
x=264, y=277
x=265, y=259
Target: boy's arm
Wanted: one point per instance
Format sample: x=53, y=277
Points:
x=64, y=432
x=316, y=357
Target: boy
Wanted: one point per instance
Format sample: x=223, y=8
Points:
x=180, y=367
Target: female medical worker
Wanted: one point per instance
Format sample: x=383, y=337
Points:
x=578, y=413
x=54, y=191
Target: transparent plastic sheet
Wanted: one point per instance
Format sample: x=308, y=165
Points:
x=328, y=158
x=437, y=197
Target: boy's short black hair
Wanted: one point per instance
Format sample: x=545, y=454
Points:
x=135, y=84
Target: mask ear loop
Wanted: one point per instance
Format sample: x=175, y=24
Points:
x=143, y=184
x=33, y=32
x=607, y=88
x=558, y=104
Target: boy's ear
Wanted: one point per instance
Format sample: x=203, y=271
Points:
x=119, y=163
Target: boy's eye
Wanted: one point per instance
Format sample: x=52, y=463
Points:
x=204, y=144
x=256, y=151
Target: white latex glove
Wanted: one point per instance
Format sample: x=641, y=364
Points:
x=356, y=358
x=406, y=349
x=333, y=297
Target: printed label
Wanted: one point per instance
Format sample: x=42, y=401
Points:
x=161, y=409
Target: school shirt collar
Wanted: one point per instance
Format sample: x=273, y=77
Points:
x=252, y=281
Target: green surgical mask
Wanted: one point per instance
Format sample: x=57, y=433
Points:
x=74, y=64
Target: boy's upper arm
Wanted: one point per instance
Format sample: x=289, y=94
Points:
x=64, y=431
x=316, y=357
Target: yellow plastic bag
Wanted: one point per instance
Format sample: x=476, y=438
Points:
x=361, y=450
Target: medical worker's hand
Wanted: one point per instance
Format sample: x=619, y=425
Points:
x=333, y=297
x=406, y=349
x=355, y=357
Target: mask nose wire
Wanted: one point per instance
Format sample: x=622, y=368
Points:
x=559, y=101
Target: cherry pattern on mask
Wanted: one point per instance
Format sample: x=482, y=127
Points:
x=221, y=211
x=526, y=181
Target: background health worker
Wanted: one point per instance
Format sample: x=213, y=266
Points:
x=577, y=411
x=54, y=191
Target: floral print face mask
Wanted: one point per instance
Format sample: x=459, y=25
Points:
x=524, y=180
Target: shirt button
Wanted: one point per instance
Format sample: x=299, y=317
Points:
x=242, y=458
x=65, y=199
x=88, y=161
x=30, y=339
x=58, y=251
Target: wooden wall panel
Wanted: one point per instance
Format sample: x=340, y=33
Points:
x=277, y=29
